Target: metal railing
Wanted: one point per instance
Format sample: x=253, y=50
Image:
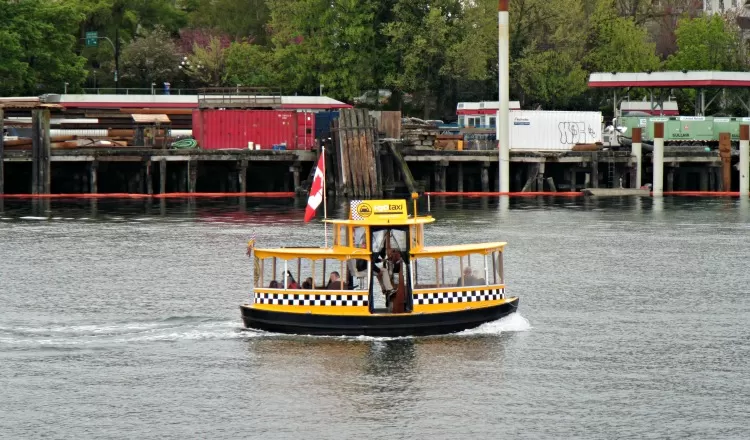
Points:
x=138, y=91
x=239, y=97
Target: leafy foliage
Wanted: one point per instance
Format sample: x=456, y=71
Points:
x=36, y=47
x=706, y=43
x=151, y=58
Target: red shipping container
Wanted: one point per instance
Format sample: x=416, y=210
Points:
x=259, y=129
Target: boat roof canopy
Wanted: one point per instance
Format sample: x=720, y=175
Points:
x=384, y=221
x=459, y=250
x=291, y=253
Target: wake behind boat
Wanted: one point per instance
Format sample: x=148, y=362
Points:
x=378, y=279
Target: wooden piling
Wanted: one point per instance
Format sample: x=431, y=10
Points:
x=294, y=169
x=149, y=178
x=725, y=152
x=551, y=183
x=93, y=177
x=670, y=178
x=2, y=153
x=460, y=179
x=485, y=176
x=594, y=170
x=192, y=170
x=541, y=169
x=243, y=176
x=162, y=176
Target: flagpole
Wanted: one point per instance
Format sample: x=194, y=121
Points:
x=325, y=205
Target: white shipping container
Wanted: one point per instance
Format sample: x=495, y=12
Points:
x=541, y=130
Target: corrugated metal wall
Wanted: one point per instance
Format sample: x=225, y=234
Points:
x=261, y=129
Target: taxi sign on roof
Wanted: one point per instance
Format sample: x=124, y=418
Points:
x=377, y=209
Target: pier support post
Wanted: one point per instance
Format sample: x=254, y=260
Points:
x=704, y=179
x=637, y=153
x=658, y=160
x=192, y=171
x=243, y=176
x=670, y=178
x=744, y=161
x=460, y=179
x=162, y=176
x=573, y=179
x=594, y=170
x=2, y=154
x=486, y=176
x=94, y=177
x=540, y=176
x=295, y=176
x=149, y=178
x=725, y=152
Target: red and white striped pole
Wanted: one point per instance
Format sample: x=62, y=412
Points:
x=503, y=113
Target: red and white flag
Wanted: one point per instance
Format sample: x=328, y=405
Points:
x=316, y=192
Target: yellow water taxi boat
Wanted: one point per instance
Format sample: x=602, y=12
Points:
x=378, y=279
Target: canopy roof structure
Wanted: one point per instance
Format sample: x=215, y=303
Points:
x=684, y=79
x=700, y=80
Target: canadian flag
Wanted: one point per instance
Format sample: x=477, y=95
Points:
x=316, y=192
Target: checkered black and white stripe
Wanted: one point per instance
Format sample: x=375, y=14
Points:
x=459, y=297
x=294, y=299
x=353, y=205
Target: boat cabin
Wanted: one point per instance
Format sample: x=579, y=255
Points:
x=379, y=263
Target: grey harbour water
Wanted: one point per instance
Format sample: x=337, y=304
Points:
x=119, y=319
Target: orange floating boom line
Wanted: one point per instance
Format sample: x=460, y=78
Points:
x=510, y=194
x=146, y=196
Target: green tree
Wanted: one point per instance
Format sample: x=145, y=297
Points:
x=551, y=78
x=706, y=43
x=151, y=58
x=618, y=44
x=36, y=47
x=325, y=42
x=250, y=65
x=208, y=63
x=421, y=36
x=242, y=19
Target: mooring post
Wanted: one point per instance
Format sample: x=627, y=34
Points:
x=36, y=142
x=460, y=179
x=670, y=178
x=594, y=170
x=163, y=175
x=45, y=168
x=725, y=152
x=295, y=177
x=149, y=178
x=192, y=168
x=744, y=160
x=573, y=176
x=243, y=176
x=2, y=153
x=486, y=176
x=637, y=157
x=540, y=176
x=93, y=177
x=658, y=160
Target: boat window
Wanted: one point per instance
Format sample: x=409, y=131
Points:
x=426, y=273
x=450, y=270
x=474, y=271
x=322, y=270
x=359, y=237
x=271, y=271
x=417, y=236
x=356, y=277
x=340, y=236
x=498, y=272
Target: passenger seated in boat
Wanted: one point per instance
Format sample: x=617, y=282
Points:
x=307, y=284
x=468, y=279
x=290, y=283
x=273, y=284
x=334, y=282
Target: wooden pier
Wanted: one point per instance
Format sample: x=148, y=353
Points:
x=159, y=171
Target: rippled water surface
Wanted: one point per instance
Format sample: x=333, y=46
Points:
x=120, y=319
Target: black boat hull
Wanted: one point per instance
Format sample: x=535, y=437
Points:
x=375, y=325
